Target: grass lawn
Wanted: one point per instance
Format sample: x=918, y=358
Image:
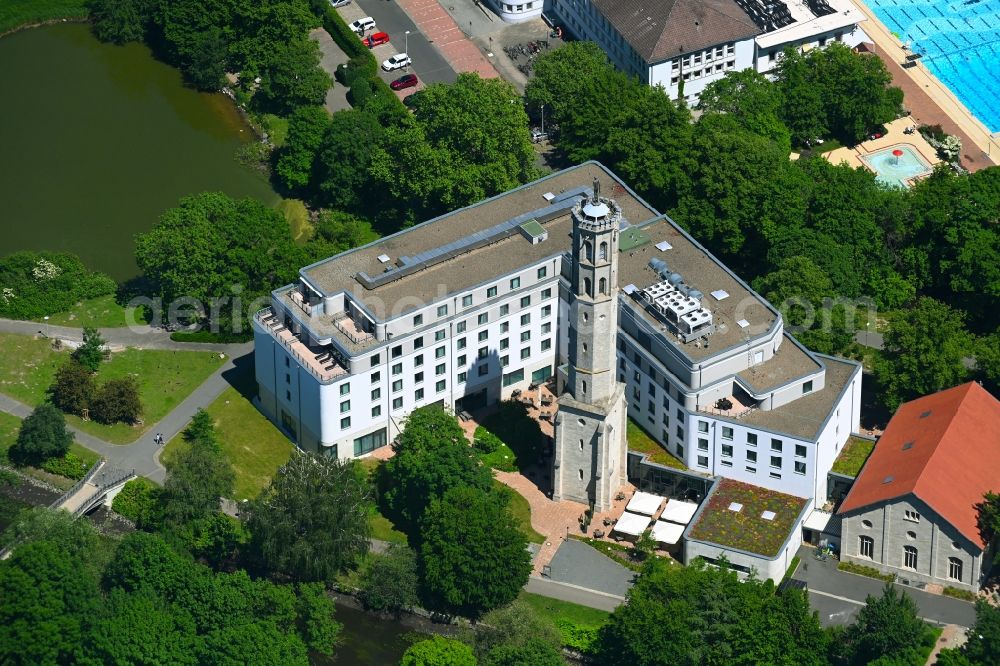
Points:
x=9, y=425
x=382, y=528
x=28, y=366
x=522, y=512
x=512, y=425
x=853, y=456
x=639, y=440
x=101, y=312
x=577, y=624
x=746, y=529
x=276, y=128
x=254, y=446
x=14, y=13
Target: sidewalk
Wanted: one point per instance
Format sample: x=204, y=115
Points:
x=442, y=30
x=332, y=58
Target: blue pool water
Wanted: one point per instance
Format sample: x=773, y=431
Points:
x=960, y=43
x=896, y=170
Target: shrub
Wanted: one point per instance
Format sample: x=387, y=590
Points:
x=964, y=595
x=117, y=401
x=136, y=499
x=91, y=352
x=862, y=570
x=35, y=284
x=73, y=388
x=486, y=441
x=575, y=637
x=70, y=465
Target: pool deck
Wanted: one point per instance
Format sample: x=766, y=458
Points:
x=930, y=101
x=893, y=137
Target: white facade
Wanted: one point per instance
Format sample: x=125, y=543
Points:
x=340, y=378
x=517, y=11
x=696, y=70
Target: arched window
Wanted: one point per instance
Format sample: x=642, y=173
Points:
x=603, y=252
x=588, y=288
x=909, y=557
x=955, y=569
x=588, y=251
x=866, y=546
x=604, y=286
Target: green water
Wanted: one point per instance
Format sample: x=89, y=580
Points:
x=96, y=141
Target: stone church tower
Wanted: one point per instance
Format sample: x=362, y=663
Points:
x=590, y=450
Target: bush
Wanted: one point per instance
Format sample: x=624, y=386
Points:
x=575, y=637
x=862, y=570
x=346, y=39
x=73, y=388
x=964, y=595
x=485, y=441
x=43, y=435
x=136, y=499
x=117, y=401
x=35, y=284
x=70, y=465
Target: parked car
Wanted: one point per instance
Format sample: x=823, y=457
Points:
x=339, y=3
x=377, y=39
x=537, y=135
x=404, y=82
x=398, y=61
x=363, y=25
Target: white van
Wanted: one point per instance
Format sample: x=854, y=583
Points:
x=363, y=25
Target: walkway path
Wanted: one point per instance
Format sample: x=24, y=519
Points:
x=140, y=337
x=332, y=57
x=930, y=101
x=441, y=29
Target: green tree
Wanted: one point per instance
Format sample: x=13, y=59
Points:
x=214, y=247
x=72, y=388
x=338, y=232
x=389, y=585
x=473, y=555
x=988, y=360
x=197, y=476
x=988, y=520
x=253, y=642
x=311, y=522
x=46, y=604
x=261, y=26
x=695, y=615
x=214, y=538
x=982, y=643
x=292, y=78
x=117, y=401
x=294, y=161
x=517, y=634
x=753, y=100
x=856, y=90
x=91, y=352
x=343, y=158
x=195, y=37
x=885, y=627
x=119, y=21
x=76, y=538
x=315, y=618
x=802, y=108
x=42, y=435
x=438, y=651
x=534, y=652
x=432, y=455
x=36, y=284
x=925, y=348
x=562, y=77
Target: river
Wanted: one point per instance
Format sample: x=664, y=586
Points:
x=96, y=141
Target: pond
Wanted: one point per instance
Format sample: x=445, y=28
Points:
x=98, y=140
x=369, y=641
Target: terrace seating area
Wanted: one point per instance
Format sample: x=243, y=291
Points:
x=732, y=406
x=321, y=362
x=350, y=328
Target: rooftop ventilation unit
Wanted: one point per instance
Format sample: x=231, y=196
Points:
x=675, y=279
x=384, y=258
x=696, y=295
x=630, y=289
x=658, y=266
x=743, y=323
x=663, y=246
x=720, y=294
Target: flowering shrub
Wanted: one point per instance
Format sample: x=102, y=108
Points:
x=44, y=283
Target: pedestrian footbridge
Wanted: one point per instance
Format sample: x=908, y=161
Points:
x=102, y=481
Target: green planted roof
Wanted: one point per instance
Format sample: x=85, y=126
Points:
x=631, y=238
x=533, y=228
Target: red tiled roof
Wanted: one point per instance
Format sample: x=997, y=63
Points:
x=943, y=448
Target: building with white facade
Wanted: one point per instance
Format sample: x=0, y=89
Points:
x=683, y=45
x=464, y=309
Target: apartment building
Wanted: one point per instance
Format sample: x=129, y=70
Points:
x=684, y=45
x=464, y=309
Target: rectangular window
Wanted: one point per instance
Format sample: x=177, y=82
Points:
x=345, y=423
x=397, y=351
x=484, y=369
x=800, y=467
x=752, y=456
x=397, y=368
x=345, y=406
x=461, y=360
x=483, y=352
x=513, y=377
x=776, y=445
x=417, y=378
x=774, y=475
x=483, y=335
x=680, y=415
x=504, y=361
x=702, y=444
x=376, y=377
x=345, y=388
x=800, y=451
x=702, y=461
x=418, y=360
x=397, y=386
x=752, y=470
x=466, y=300
x=866, y=546
x=702, y=426
x=546, y=293
x=288, y=395
x=546, y=311
x=726, y=463
x=483, y=318
x=807, y=387
x=504, y=343
x=462, y=377
x=727, y=450
x=909, y=557
x=418, y=319
x=439, y=352
x=440, y=369
x=397, y=403
x=418, y=394
x=442, y=311
x=375, y=360
x=912, y=516
x=776, y=462
x=525, y=336
x=288, y=378
x=460, y=327
x=546, y=328
x=542, y=272
x=491, y=291
x=376, y=393
x=727, y=432
x=751, y=439
x=418, y=343
x=376, y=411
x=525, y=353
x=370, y=442
x=504, y=310
x=525, y=319
x=525, y=301
x=439, y=386
x=460, y=344
x=515, y=283
x=546, y=344
x=439, y=335
x=680, y=433
x=504, y=327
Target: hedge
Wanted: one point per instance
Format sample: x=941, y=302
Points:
x=70, y=465
x=862, y=570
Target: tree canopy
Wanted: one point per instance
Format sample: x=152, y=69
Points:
x=197, y=476
x=438, y=651
x=43, y=435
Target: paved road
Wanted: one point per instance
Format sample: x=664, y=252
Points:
x=332, y=58
x=141, y=337
x=428, y=63
x=579, y=564
x=838, y=595
x=573, y=594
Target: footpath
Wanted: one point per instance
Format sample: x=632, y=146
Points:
x=441, y=29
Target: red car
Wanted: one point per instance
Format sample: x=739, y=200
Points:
x=404, y=82
x=377, y=39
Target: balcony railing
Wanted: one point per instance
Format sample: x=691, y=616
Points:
x=349, y=327
x=323, y=365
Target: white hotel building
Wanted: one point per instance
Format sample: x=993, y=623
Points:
x=690, y=43
x=464, y=309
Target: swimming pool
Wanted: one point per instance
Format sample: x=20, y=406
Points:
x=960, y=43
x=894, y=170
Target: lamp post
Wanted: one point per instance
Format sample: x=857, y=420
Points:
x=543, y=119
x=46, y=326
x=406, y=42
x=867, y=338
